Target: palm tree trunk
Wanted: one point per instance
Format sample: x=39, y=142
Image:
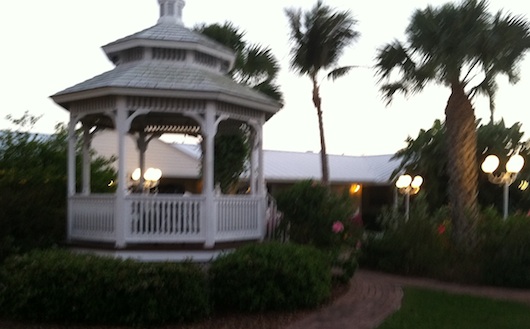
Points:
x=462, y=166
x=323, y=154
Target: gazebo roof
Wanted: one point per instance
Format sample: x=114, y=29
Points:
x=132, y=78
x=172, y=36
x=169, y=60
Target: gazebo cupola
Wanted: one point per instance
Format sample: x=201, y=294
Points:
x=166, y=79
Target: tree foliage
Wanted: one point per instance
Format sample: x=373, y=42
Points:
x=466, y=48
x=33, y=180
x=233, y=149
x=425, y=155
x=319, y=37
x=255, y=65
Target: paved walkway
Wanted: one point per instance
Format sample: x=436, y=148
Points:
x=374, y=296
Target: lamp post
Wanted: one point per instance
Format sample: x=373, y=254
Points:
x=513, y=167
x=408, y=186
x=150, y=180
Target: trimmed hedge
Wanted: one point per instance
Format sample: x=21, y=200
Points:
x=59, y=286
x=270, y=276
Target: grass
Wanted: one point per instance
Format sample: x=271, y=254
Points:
x=428, y=309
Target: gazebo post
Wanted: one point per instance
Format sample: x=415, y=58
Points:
x=210, y=213
x=119, y=212
x=261, y=177
x=86, y=160
x=71, y=155
x=141, y=144
x=262, y=190
x=71, y=173
x=253, y=164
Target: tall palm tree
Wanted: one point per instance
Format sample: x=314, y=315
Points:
x=319, y=38
x=464, y=48
x=255, y=65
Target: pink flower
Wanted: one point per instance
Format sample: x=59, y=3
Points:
x=441, y=229
x=337, y=227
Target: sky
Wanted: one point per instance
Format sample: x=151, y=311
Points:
x=54, y=44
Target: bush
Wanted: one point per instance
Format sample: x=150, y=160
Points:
x=310, y=210
x=33, y=172
x=270, y=276
x=58, y=286
x=418, y=246
x=505, y=251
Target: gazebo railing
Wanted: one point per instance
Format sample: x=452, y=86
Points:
x=91, y=217
x=166, y=218
x=240, y=217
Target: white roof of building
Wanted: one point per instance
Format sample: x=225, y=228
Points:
x=284, y=166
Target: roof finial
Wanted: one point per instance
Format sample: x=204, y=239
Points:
x=171, y=11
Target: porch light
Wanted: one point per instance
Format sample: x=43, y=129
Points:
x=408, y=186
x=136, y=174
x=151, y=177
x=513, y=167
x=354, y=188
x=152, y=174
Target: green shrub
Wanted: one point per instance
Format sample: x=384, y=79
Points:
x=59, y=286
x=270, y=276
x=309, y=211
x=33, y=172
x=505, y=251
x=418, y=246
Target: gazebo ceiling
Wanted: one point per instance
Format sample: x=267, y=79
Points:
x=161, y=123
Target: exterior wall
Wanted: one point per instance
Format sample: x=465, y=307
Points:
x=171, y=161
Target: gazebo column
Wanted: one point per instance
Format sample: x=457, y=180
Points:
x=142, y=141
x=87, y=140
x=253, y=164
x=210, y=213
x=141, y=144
x=72, y=139
x=122, y=127
x=262, y=190
x=257, y=177
x=71, y=190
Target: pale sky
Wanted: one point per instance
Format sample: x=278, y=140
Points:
x=54, y=44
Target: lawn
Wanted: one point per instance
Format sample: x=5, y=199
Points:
x=428, y=309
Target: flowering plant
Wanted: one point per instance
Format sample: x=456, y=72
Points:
x=348, y=246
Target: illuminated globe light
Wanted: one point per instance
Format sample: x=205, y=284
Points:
x=136, y=174
x=416, y=182
x=490, y=164
x=515, y=164
x=152, y=174
x=403, y=181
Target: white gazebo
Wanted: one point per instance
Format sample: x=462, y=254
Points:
x=167, y=79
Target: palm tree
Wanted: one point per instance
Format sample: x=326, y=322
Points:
x=255, y=65
x=464, y=48
x=319, y=38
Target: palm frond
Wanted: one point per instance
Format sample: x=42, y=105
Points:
x=339, y=72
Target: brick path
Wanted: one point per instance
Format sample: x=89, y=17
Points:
x=374, y=296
